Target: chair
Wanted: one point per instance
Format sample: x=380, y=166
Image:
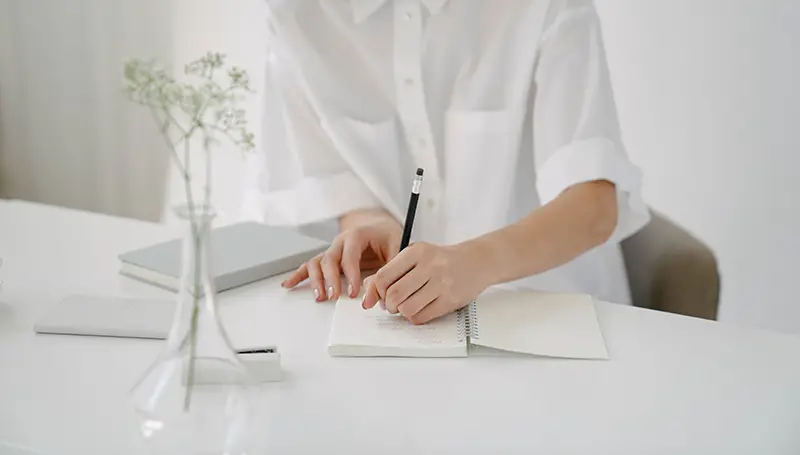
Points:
x=670, y=270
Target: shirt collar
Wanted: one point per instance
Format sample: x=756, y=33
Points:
x=362, y=9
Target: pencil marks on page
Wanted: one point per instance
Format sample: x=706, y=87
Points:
x=432, y=333
x=376, y=327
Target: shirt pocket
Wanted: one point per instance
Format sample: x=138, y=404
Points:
x=371, y=150
x=480, y=165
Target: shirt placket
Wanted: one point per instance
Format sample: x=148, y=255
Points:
x=413, y=113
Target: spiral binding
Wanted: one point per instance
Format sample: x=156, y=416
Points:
x=461, y=324
x=473, y=326
x=468, y=326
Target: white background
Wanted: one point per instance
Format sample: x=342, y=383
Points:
x=706, y=92
x=710, y=108
x=67, y=136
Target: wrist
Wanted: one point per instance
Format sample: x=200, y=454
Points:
x=479, y=254
x=361, y=217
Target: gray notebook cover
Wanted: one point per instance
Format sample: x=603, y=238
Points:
x=241, y=253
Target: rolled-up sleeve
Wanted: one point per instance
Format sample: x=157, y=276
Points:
x=576, y=131
x=297, y=176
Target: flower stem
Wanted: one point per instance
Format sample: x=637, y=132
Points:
x=195, y=285
x=196, y=242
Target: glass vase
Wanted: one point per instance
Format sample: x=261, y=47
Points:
x=197, y=397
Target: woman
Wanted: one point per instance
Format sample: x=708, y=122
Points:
x=508, y=107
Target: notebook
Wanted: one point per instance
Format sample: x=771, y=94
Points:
x=529, y=322
x=241, y=253
x=97, y=315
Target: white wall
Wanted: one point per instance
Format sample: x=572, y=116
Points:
x=710, y=109
x=67, y=135
x=237, y=29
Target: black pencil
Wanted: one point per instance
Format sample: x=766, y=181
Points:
x=412, y=209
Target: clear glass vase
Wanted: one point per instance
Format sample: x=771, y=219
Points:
x=197, y=397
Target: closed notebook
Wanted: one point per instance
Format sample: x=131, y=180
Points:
x=529, y=322
x=240, y=253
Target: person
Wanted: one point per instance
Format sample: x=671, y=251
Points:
x=508, y=107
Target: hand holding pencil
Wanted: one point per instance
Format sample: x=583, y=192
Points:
x=425, y=281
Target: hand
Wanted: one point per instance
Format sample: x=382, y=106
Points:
x=368, y=240
x=427, y=281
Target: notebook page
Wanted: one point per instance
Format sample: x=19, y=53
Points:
x=357, y=332
x=540, y=323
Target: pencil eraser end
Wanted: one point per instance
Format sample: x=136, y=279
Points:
x=420, y=171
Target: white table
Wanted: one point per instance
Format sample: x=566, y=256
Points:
x=674, y=384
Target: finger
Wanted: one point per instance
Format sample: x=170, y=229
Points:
x=419, y=300
x=402, y=289
x=317, y=279
x=433, y=310
x=351, y=258
x=297, y=277
x=331, y=271
x=394, y=247
x=395, y=269
x=371, y=296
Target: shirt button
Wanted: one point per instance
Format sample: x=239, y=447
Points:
x=409, y=82
x=431, y=203
x=409, y=16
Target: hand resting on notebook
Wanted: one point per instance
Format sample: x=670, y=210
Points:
x=368, y=240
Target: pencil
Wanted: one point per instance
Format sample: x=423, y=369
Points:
x=412, y=209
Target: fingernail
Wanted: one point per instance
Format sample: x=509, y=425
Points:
x=350, y=289
x=364, y=302
x=330, y=292
x=316, y=294
x=283, y=284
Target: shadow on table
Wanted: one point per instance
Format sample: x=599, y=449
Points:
x=9, y=448
x=5, y=314
x=483, y=351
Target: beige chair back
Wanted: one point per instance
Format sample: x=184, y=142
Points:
x=670, y=270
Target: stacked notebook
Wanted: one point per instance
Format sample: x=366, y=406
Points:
x=530, y=322
x=240, y=254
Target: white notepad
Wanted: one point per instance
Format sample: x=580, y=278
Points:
x=98, y=315
x=530, y=322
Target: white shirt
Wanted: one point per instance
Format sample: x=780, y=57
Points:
x=504, y=103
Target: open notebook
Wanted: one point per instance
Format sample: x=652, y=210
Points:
x=530, y=322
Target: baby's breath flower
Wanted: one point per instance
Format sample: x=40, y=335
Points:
x=204, y=105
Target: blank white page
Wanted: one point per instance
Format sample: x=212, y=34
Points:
x=376, y=333
x=540, y=323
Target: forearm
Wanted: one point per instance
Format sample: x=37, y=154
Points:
x=581, y=218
